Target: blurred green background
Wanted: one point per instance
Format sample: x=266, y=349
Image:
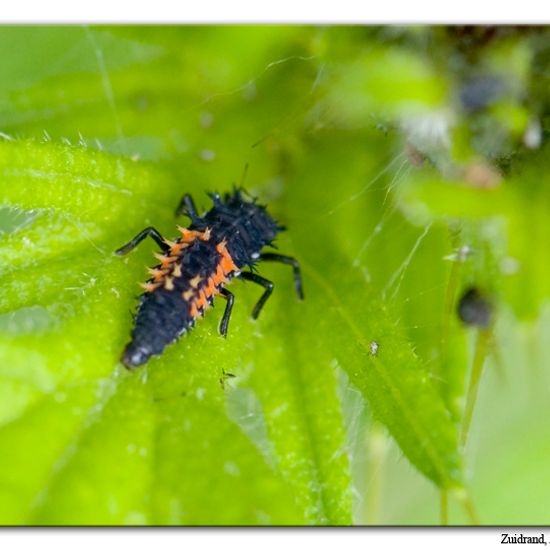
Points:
x=409, y=164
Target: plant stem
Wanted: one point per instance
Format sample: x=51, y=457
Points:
x=532, y=338
x=377, y=449
x=450, y=299
x=464, y=499
x=483, y=339
x=450, y=295
x=444, y=507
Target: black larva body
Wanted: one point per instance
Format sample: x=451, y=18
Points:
x=196, y=267
x=162, y=315
x=246, y=227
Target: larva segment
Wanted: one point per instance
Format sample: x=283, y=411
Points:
x=169, y=269
x=201, y=290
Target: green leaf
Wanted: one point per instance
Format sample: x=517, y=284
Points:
x=167, y=426
x=350, y=316
x=105, y=128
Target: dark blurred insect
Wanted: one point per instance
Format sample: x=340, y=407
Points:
x=195, y=267
x=475, y=309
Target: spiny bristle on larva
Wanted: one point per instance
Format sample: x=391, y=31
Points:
x=189, y=235
x=176, y=247
x=165, y=260
x=149, y=287
x=156, y=273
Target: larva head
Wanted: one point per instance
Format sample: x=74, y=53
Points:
x=247, y=211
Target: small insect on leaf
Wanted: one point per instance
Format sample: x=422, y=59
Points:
x=196, y=267
x=373, y=347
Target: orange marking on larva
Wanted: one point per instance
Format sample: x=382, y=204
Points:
x=195, y=281
x=200, y=302
x=204, y=293
x=227, y=264
x=202, y=299
x=187, y=295
x=211, y=287
x=217, y=279
x=169, y=283
x=219, y=276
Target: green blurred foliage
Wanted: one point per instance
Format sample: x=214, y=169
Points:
x=408, y=165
